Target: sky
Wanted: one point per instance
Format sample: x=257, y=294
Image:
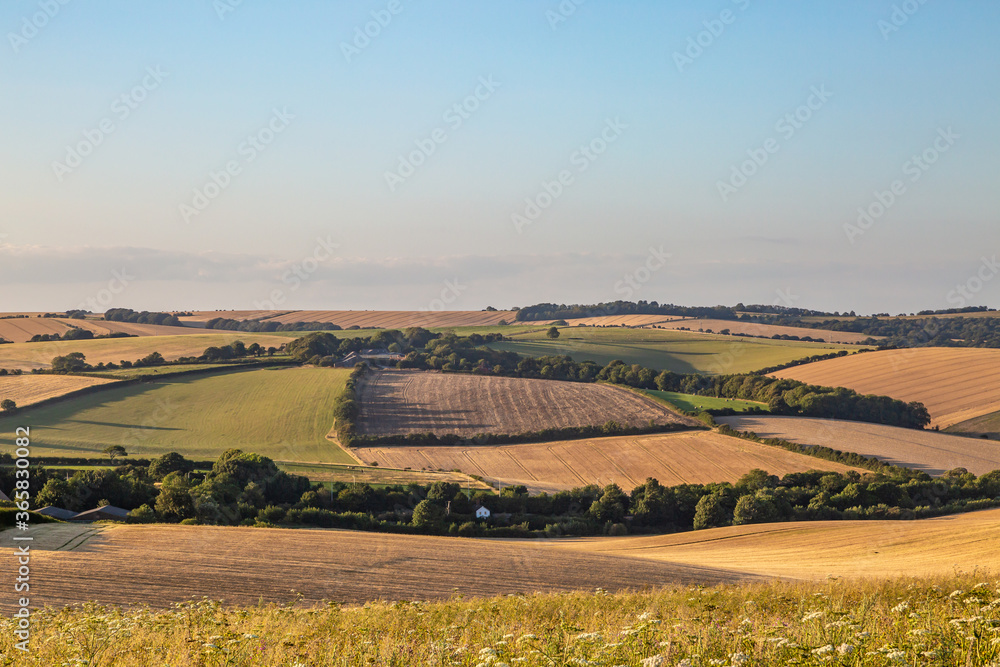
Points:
x=399, y=154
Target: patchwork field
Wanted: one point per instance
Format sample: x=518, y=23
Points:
x=39, y=355
x=813, y=550
x=934, y=453
x=400, y=402
x=612, y=320
x=281, y=413
x=380, y=476
x=27, y=389
x=694, y=403
x=694, y=457
x=954, y=383
x=379, y=319
x=757, y=329
x=22, y=329
x=153, y=565
x=664, y=349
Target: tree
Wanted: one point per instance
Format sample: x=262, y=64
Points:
x=428, y=514
x=114, y=450
x=8, y=405
x=756, y=508
x=174, y=502
x=711, y=512
x=74, y=362
x=170, y=462
x=611, y=506
x=552, y=333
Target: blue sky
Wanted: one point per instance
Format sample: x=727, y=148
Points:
x=331, y=122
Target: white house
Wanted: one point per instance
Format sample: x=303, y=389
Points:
x=482, y=513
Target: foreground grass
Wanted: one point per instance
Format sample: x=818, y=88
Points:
x=950, y=621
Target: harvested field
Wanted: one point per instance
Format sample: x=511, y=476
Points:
x=27, y=389
x=27, y=356
x=695, y=457
x=932, y=452
x=400, y=402
x=378, y=319
x=160, y=565
x=612, y=320
x=21, y=330
x=357, y=474
x=768, y=330
x=954, y=383
x=940, y=546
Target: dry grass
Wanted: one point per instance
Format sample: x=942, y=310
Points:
x=696, y=457
x=813, y=550
x=768, y=330
x=27, y=389
x=954, y=383
x=398, y=402
x=612, y=320
x=934, y=453
x=27, y=356
x=159, y=565
x=379, y=319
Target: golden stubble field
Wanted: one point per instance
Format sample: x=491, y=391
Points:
x=941, y=546
x=400, y=402
x=691, y=457
x=934, y=453
x=954, y=383
x=158, y=565
x=20, y=330
x=27, y=389
x=378, y=319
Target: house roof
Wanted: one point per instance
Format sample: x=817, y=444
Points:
x=57, y=512
x=3, y=496
x=95, y=513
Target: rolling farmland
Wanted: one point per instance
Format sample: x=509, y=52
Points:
x=986, y=425
x=611, y=320
x=20, y=330
x=27, y=356
x=814, y=549
x=284, y=414
x=132, y=565
x=662, y=349
x=932, y=452
x=954, y=383
x=27, y=389
x=756, y=329
x=378, y=319
x=695, y=457
x=400, y=402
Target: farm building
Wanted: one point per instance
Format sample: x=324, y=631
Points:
x=57, y=513
x=374, y=356
x=482, y=513
x=103, y=513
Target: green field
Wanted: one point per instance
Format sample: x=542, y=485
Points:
x=695, y=403
x=281, y=413
x=988, y=425
x=678, y=351
x=153, y=371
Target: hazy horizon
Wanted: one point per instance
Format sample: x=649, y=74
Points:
x=213, y=155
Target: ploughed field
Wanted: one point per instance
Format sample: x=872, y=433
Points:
x=158, y=565
x=691, y=457
x=932, y=452
x=401, y=402
x=954, y=383
x=27, y=389
x=942, y=546
x=20, y=330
